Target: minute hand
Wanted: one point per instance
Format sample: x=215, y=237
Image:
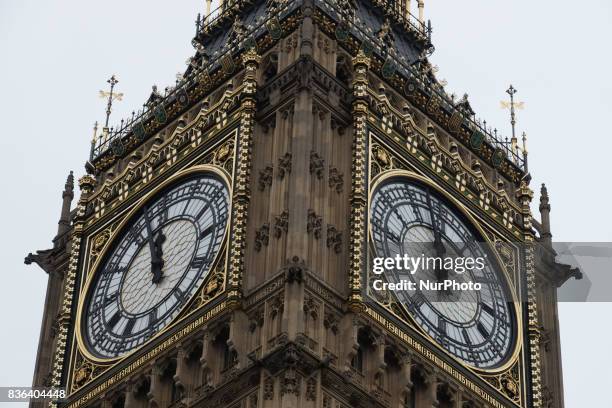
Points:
x=149, y=233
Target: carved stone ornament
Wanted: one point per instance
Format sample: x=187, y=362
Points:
x=262, y=236
x=291, y=383
x=265, y=178
x=314, y=224
x=284, y=165
x=336, y=179
x=334, y=238
x=317, y=165
x=294, y=270
x=281, y=224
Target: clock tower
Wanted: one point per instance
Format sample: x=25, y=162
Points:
x=221, y=251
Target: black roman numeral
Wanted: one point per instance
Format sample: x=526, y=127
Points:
x=110, y=299
x=488, y=309
x=152, y=317
x=129, y=326
x=198, y=262
x=482, y=330
x=442, y=325
x=466, y=337
x=179, y=294
x=114, y=320
x=207, y=231
x=202, y=211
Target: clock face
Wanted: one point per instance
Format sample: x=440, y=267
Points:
x=156, y=265
x=476, y=326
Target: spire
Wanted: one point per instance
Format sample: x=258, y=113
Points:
x=67, y=196
x=545, y=215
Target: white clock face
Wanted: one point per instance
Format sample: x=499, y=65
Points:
x=411, y=219
x=156, y=265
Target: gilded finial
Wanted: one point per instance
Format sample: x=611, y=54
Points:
x=112, y=96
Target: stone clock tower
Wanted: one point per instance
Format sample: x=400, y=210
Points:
x=221, y=249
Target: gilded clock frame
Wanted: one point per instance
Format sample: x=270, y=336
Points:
x=93, y=271
x=511, y=359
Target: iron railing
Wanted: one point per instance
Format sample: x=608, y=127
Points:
x=409, y=71
x=105, y=140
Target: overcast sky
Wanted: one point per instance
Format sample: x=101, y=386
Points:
x=55, y=56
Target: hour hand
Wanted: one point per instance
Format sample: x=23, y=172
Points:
x=157, y=260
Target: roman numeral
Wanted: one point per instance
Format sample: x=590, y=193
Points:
x=416, y=301
x=482, y=330
x=393, y=237
x=115, y=269
x=417, y=213
x=207, y=231
x=202, y=211
x=466, y=337
x=129, y=326
x=152, y=318
x=488, y=309
x=198, y=262
x=442, y=325
x=110, y=299
x=114, y=320
x=179, y=294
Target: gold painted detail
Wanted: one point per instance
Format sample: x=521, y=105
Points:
x=381, y=160
x=162, y=157
x=214, y=286
x=99, y=242
x=457, y=175
x=149, y=356
x=426, y=353
x=241, y=193
x=508, y=383
x=426, y=104
x=358, y=196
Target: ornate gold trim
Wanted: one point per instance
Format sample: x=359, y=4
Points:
x=82, y=348
x=409, y=175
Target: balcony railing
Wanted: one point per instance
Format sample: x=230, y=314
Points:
x=360, y=29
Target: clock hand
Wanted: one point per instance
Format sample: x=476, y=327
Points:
x=441, y=273
x=155, y=248
x=157, y=262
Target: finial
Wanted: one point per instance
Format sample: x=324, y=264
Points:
x=111, y=97
x=198, y=23
x=69, y=186
x=545, y=215
x=512, y=105
x=524, y=149
x=95, y=132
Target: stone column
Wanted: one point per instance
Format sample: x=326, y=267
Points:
x=545, y=216
x=406, y=378
x=204, y=366
x=458, y=398
x=359, y=194
x=524, y=196
x=181, y=376
x=432, y=390
x=155, y=393
x=241, y=193
x=67, y=196
x=130, y=397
